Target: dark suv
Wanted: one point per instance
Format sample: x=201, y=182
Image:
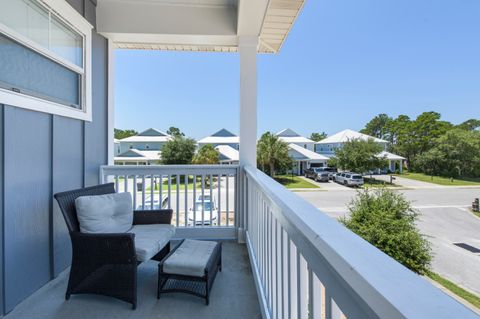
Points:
x=329, y=170
x=319, y=174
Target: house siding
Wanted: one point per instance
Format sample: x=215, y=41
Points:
x=96, y=132
x=68, y=169
x=41, y=154
x=1, y=206
x=27, y=182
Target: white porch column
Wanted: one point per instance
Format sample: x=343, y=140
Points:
x=111, y=103
x=248, y=100
x=248, y=121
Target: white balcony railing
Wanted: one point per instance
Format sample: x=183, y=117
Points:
x=203, y=197
x=307, y=265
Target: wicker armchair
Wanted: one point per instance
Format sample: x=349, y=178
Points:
x=105, y=264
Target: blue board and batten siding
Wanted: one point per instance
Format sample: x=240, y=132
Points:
x=41, y=154
x=1, y=208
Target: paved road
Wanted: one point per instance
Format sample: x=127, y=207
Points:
x=444, y=219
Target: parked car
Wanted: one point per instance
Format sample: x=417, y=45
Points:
x=156, y=203
x=203, y=205
x=311, y=172
x=315, y=172
x=336, y=176
x=322, y=177
x=349, y=179
x=331, y=171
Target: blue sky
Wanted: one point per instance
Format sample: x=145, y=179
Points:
x=344, y=62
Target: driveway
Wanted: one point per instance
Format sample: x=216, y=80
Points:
x=329, y=186
x=409, y=183
x=445, y=220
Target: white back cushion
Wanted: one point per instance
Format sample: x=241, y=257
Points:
x=109, y=213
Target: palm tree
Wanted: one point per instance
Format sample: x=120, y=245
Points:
x=207, y=154
x=272, y=153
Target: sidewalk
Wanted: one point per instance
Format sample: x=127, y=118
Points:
x=414, y=184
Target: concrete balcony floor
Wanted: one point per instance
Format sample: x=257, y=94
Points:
x=233, y=296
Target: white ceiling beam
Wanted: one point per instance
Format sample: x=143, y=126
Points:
x=173, y=39
x=250, y=17
x=144, y=17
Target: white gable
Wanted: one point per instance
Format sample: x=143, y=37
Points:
x=152, y=132
x=348, y=135
x=287, y=133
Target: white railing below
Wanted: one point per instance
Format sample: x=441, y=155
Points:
x=307, y=265
x=204, y=198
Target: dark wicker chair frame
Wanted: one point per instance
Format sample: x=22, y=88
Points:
x=197, y=286
x=105, y=264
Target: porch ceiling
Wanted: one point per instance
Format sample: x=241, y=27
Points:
x=196, y=25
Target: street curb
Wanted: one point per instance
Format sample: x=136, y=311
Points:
x=454, y=296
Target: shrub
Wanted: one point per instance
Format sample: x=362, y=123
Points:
x=386, y=219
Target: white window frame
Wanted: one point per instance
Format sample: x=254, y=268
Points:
x=62, y=10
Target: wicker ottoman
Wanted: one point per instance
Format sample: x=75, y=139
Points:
x=191, y=268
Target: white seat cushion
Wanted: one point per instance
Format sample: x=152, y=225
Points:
x=150, y=239
x=190, y=258
x=109, y=213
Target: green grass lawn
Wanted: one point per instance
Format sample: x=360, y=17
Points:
x=457, y=290
x=441, y=180
x=173, y=185
x=290, y=181
x=475, y=213
x=372, y=183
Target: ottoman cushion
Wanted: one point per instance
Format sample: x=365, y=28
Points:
x=150, y=239
x=190, y=259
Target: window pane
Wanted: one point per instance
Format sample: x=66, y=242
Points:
x=33, y=74
x=32, y=21
x=26, y=18
x=66, y=43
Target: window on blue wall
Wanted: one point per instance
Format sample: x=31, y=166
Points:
x=45, y=57
x=46, y=79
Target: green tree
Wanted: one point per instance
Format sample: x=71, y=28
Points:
x=179, y=150
x=317, y=137
x=272, y=154
x=359, y=156
x=174, y=131
x=207, y=154
x=426, y=128
x=119, y=134
x=379, y=127
x=386, y=219
x=402, y=137
x=431, y=162
x=469, y=125
x=413, y=138
x=455, y=154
